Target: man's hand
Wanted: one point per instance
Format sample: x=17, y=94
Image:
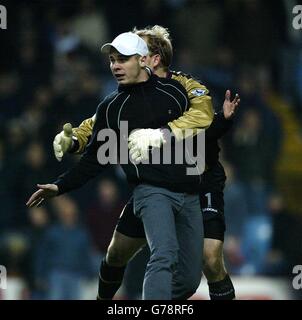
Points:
x=229, y=107
x=63, y=141
x=141, y=140
x=45, y=191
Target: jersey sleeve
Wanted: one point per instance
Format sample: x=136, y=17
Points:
x=200, y=114
x=219, y=126
x=87, y=167
x=83, y=134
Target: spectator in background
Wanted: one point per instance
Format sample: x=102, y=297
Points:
x=39, y=222
x=249, y=156
x=15, y=138
x=136, y=13
x=287, y=227
x=90, y=25
x=76, y=75
x=29, y=69
x=256, y=140
x=66, y=252
x=15, y=146
x=251, y=26
x=221, y=73
x=9, y=101
x=6, y=199
x=32, y=167
x=102, y=215
x=35, y=114
x=236, y=212
x=289, y=69
x=14, y=248
x=202, y=42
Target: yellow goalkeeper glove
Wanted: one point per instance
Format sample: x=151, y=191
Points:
x=63, y=141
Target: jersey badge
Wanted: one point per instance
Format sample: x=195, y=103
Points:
x=198, y=92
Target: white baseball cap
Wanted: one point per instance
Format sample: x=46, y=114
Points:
x=128, y=44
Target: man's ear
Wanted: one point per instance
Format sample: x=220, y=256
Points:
x=142, y=61
x=156, y=60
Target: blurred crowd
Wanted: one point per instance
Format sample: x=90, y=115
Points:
x=52, y=72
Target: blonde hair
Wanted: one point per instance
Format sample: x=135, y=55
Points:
x=159, y=42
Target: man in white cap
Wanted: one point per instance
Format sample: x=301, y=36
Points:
x=165, y=197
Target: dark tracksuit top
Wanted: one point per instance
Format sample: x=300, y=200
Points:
x=215, y=131
x=150, y=104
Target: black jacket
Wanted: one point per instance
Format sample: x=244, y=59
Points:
x=149, y=104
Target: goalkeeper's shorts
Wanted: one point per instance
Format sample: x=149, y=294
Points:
x=212, y=202
x=128, y=224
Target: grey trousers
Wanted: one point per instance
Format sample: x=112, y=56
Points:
x=174, y=232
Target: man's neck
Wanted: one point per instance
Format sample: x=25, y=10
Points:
x=160, y=72
x=144, y=76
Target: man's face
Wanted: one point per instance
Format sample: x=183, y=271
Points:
x=125, y=69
